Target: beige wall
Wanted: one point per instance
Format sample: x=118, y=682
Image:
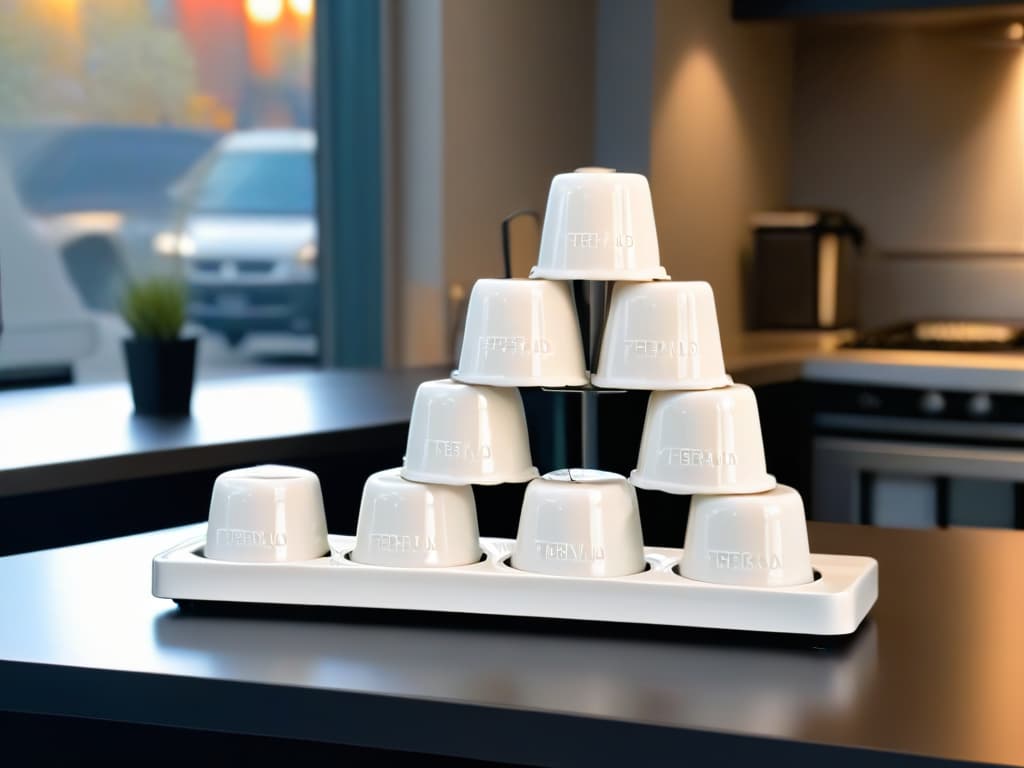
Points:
x=498, y=97
x=519, y=102
x=720, y=139
x=624, y=83
x=917, y=132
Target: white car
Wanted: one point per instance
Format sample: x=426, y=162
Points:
x=45, y=326
x=246, y=234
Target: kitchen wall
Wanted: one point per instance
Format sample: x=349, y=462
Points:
x=916, y=131
x=624, y=84
x=913, y=124
x=720, y=133
x=491, y=99
x=898, y=289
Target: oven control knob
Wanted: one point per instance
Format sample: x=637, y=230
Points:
x=979, y=405
x=932, y=403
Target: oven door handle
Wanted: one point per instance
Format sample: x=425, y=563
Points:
x=840, y=462
x=923, y=458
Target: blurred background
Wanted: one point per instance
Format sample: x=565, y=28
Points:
x=330, y=179
x=148, y=136
x=141, y=136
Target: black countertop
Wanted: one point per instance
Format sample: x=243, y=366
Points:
x=64, y=437
x=936, y=672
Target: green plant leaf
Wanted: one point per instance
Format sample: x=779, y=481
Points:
x=155, y=307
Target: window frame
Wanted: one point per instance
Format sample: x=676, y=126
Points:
x=349, y=169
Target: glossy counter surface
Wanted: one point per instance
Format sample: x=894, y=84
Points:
x=937, y=671
x=62, y=437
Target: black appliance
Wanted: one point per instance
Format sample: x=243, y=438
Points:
x=921, y=456
x=804, y=270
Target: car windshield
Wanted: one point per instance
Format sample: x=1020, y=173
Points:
x=259, y=182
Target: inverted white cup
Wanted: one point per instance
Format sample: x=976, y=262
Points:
x=661, y=336
x=754, y=540
x=415, y=525
x=580, y=522
x=599, y=225
x=462, y=434
x=522, y=333
x=704, y=441
x=266, y=514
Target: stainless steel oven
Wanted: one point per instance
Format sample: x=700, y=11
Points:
x=912, y=458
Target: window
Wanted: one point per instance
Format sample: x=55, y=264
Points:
x=143, y=137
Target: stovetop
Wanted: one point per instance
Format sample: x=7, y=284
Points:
x=959, y=336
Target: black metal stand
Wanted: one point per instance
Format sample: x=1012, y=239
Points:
x=592, y=305
x=596, y=296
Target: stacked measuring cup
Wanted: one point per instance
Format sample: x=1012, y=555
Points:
x=701, y=437
x=423, y=514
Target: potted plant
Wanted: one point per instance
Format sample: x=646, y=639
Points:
x=160, y=363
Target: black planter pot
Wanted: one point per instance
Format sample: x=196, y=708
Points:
x=161, y=375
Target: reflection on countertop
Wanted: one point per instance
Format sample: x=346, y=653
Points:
x=934, y=672
x=706, y=678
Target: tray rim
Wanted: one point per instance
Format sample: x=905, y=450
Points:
x=834, y=604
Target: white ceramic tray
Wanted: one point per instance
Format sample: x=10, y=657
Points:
x=834, y=604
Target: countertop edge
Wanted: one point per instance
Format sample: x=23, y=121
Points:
x=131, y=466
x=441, y=727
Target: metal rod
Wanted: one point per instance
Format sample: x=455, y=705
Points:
x=596, y=298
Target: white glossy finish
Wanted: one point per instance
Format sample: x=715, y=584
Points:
x=461, y=434
x=835, y=604
x=661, y=336
x=706, y=441
x=522, y=333
x=599, y=225
x=266, y=514
x=753, y=540
x=580, y=522
x=409, y=525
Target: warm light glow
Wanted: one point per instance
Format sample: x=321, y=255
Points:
x=172, y=244
x=301, y=7
x=67, y=9
x=1015, y=31
x=263, y=11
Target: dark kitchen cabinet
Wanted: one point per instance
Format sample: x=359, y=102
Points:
x=786, y=426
